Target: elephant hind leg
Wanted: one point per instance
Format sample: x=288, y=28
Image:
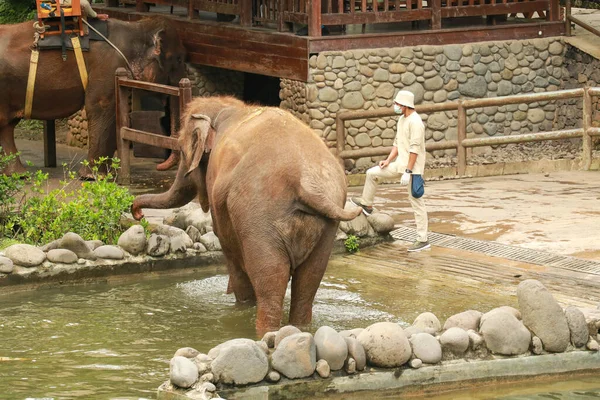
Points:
x=7, y=142
x=307, y=278
x=240, y=285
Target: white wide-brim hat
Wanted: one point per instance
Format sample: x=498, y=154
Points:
x=405, y=98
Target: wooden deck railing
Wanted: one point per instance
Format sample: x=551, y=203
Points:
x=586, y=132
x=318, y=13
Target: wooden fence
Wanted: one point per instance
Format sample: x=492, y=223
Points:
x=586, y=132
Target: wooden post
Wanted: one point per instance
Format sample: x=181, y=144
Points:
x=185, y=96
x=461, y=153
x=49, y=144
x=140, y=6
x=190, y=9
x=553, y=11
x=122, y=109
x=586, y=156
x=314, y=18
x=436, y=14
x=567, y=15
x=245, y=12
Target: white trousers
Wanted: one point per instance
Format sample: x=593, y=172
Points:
x=376, y=175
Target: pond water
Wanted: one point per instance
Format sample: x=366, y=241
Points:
x=114, y=340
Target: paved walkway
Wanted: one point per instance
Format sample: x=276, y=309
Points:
x=582, y=38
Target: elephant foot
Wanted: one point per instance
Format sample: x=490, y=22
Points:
x=170, y=162
x=14, y=167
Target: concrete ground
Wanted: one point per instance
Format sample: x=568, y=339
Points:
x=557, y=212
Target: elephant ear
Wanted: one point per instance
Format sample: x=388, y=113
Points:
x=197, y=140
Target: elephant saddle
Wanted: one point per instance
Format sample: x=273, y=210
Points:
x=54, y=41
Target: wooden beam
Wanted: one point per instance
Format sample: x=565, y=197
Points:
x=495, y=9
x=375, y=17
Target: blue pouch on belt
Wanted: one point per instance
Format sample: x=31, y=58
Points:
x=417, y=186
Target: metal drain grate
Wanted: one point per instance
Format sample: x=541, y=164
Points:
x=503, y=250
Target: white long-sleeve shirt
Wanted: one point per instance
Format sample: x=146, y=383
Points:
x=410, y=138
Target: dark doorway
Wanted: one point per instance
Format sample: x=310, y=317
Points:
x=261, y=89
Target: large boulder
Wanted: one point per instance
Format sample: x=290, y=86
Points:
x=385, y=344
x=25, y=255
x=331, y=347
x=183, y=372
x=210, y=241
x=505, y=334
x=506, y=309
x=465, y=320
x=428, y=323
x=133, y=240
x=543, y=315
x=75, y=243
x=295, y=356
x=426, y=348
x=577, y=326
x=158, y=245
x=240, y=363
x=382, y=223
x=109, y=252
x=62, y=256
x=284, y=332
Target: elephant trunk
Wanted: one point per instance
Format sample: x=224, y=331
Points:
x=181, y=192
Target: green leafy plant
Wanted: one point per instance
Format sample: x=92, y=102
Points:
x=352, y=244
x=91, y=209
x=11, y=193
x=13, y=11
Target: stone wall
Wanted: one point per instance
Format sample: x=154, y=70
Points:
x=206, y=81
x=369, y=79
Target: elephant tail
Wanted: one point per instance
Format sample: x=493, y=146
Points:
x=317, y=200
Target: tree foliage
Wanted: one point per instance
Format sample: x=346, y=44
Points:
x=14, y=11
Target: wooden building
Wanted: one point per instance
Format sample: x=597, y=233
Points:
x=277, y=37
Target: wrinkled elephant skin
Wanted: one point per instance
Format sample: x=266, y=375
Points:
x=276, y=195
x=151, y=46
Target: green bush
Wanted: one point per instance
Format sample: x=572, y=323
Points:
x=352, y=244
x=14, y=11
x=11, y=191
x=91, y=209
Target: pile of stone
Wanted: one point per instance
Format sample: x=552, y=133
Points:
x=539, y=326
x=163, y=240
x=77, y=136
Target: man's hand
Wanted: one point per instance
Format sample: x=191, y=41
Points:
x=404, y=181
x=383, y=164
x=102, y=17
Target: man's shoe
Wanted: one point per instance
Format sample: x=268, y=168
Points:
x=357, y=201
x=418, y=246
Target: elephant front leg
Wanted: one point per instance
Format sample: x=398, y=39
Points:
x=7, y=142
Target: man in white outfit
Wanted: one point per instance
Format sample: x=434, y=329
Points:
x=407, y=157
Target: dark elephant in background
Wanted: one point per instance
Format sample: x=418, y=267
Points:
x=152, y=47
x=276, y=196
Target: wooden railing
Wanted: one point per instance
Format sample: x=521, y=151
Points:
x=125, y=134
x=318, y=13
x=586, y=132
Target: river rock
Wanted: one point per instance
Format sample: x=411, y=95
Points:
x=511, y=310
x=350, y=366
x=475, y=339
x=214, y=352
x=455, y=340
x=323, y=368
x=193, y=233
x=200, y=220
x=273, y=376
x=465, y=320
x=428, y=323
x=187, y=352
x=178, y=238
x=536, y=345
x=133, y=240
x=284, y=332
x=6, y=265
x=75, y=243
x=240, y=363
x=94, y=244
x=331, y=347
x=426, y=347
x=203, y=362
x=385, y=345
x=359, y=226
x=269, y=339
x=109, y=252
x=411, y=330
x=543, y=315
x=382, y=223
x=211, y=241
x=62, y=256
x=505, y=334
x=577, y=326
x=55, y=244
x=357, y=352
x=353, y=333
x=295, y=356
x=25, y=255
x=183, y=372
x=158, y=245
x=179, y=217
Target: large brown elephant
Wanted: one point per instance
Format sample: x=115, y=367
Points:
x=276, y=196
x=151, y=46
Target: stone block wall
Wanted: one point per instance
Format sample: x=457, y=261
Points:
x=369, y=79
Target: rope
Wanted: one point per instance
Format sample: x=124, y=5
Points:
x=112, y=45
